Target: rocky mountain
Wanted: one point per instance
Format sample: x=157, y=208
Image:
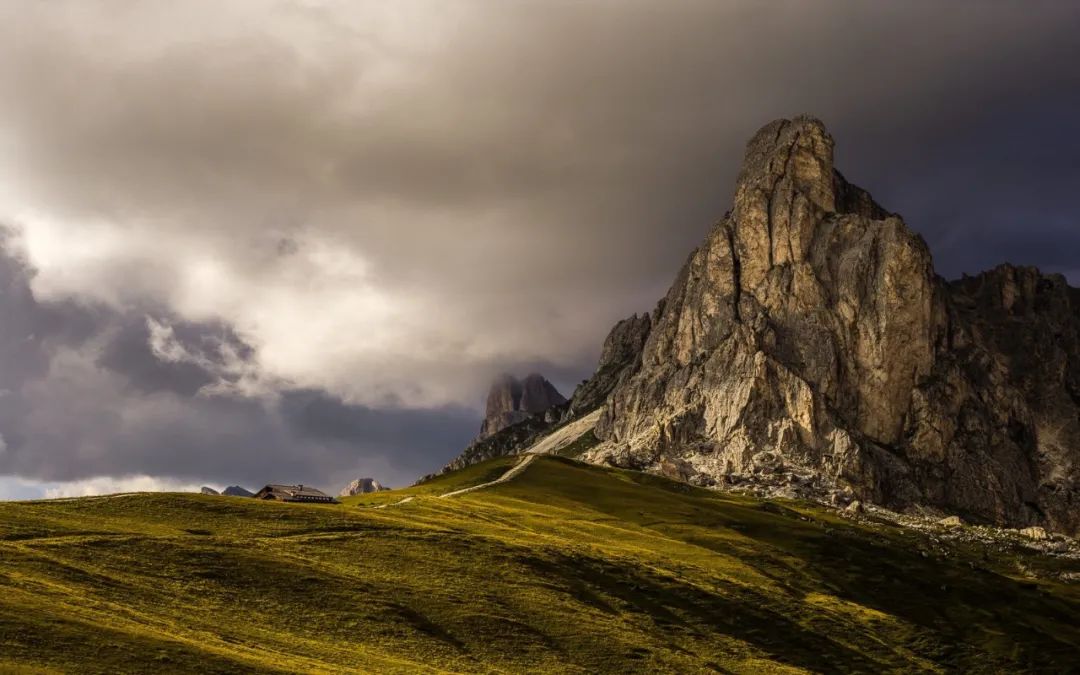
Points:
x=362, y=486
x=512, y=440
x=237, y=491
x=809, y=342
x=511, y=400
x=809, y=335
x=517, y=412
x=620, y=358
x=208, y=491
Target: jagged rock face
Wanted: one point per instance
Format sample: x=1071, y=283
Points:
x=208, y=491
x=512, y=440
x=518, y=412
x=1002, y=407
x=237, y=491
x=809, y=332
x=362, y=486
x=511, y=401
x=620, y=358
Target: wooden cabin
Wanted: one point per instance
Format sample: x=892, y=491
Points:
x=294, y=493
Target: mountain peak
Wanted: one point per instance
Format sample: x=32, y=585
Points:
x=807, y=346
x=362, y=486
x=787, y=188
x=809, y=333
x=511, y=400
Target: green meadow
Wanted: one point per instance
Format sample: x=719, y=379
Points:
x=566, y=568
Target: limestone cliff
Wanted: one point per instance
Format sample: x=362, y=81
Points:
x=517, y=412
x=620, y=358
x=809, y=333
x=511, y=401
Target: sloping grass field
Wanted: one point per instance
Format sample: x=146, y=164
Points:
x=566, y=568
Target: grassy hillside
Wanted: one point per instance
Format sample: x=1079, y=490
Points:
x=567, y=568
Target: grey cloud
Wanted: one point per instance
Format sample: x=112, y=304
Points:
x=531, y=171
x=413, y=439
x=93, y=399
x=615, y=127
x=128, y=353
x=30, y=330
x=96, y=429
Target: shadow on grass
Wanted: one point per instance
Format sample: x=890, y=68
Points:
x=673, y=606
x=957, y=615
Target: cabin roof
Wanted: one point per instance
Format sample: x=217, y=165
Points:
x=293, y=492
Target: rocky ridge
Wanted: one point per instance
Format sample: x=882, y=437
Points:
x=620, y=357
x=511, y=400
x=809, y=336
x=807, y=349
x=517, y=412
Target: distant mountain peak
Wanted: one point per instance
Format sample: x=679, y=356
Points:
x=511, y=400
x=362, y=486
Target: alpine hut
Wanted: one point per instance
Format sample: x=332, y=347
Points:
x=294, y=493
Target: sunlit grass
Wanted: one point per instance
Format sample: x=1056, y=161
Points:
x=567, y=568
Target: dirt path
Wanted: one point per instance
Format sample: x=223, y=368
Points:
x=552, y=443
x=525, y=461
x=559, y=439
x=400, y=501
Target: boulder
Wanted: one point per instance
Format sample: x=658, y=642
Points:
x=1036, y=533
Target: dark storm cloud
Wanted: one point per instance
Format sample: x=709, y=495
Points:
x=28, y=330
x=413, y=439
x=392, y=202
x=86, y=395
x=617, y=126
x=1000, y=186
x=129, y=353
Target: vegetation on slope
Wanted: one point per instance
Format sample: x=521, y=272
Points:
x=568, y=568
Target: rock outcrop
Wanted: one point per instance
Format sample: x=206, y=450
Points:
x=620, y=358
x=237, y=491
x=208, y=491
x=362, y=486
x=511, y=401
x=517, y=413
x=512, y=440
x=809, y=333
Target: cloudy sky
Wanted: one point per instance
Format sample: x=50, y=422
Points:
x=252, y=241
